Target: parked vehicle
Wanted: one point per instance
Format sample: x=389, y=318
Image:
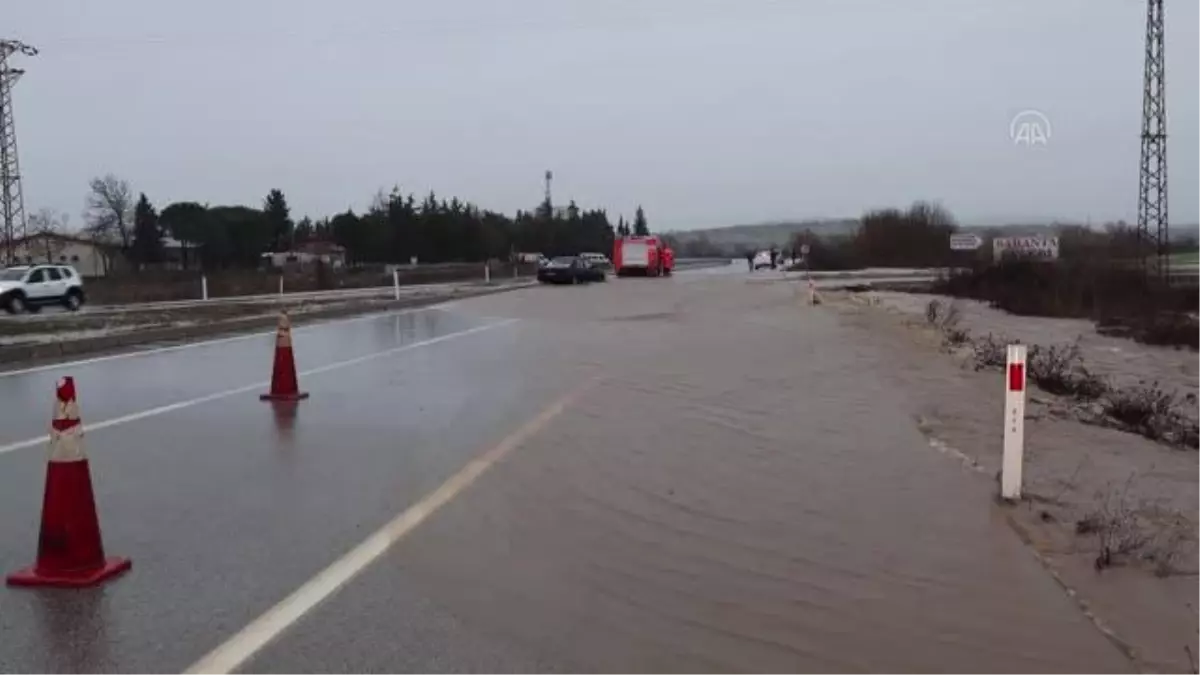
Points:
x=569, y=270
x=645, y=256
x=597, y=260
x=33, y=287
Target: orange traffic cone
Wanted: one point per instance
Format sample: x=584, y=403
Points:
x=70, y=551
x=284, y=386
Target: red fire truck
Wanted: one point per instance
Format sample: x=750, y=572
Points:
x=642, y=256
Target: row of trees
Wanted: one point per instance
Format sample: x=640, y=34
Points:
x=395, y=228
x=920, y=235
x=916, y=237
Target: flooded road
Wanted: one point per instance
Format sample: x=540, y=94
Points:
x=728, y=482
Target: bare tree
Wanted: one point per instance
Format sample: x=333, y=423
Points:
x=47, y=227
x=110, y=211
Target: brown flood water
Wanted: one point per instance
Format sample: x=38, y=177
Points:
x=746, y=489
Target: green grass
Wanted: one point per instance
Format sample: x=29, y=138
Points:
x=1189, y=258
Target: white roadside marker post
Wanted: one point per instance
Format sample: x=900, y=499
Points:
x=1014, y=423
x=396, y=283
x=203, y=287
x=487, y=273
x=281, y=284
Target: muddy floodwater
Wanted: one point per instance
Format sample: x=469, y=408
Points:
x=744, y=488
x=687, y=474
x=1075, y=473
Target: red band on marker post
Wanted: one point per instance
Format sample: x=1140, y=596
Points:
x=1016, y=377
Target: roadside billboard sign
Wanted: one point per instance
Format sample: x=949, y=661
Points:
x=1025, y=248
x=965, y=242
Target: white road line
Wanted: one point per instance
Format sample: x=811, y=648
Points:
x=216, y=341
x=238, y=649
x=152, y=412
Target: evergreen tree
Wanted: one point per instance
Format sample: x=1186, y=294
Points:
x=187, y=222
x=394, y=228
x=147, y=237
x=640, y=227
x=278, y=216
x=305, y=230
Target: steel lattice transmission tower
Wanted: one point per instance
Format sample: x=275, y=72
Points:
x=12, y=204
x=1153, y=237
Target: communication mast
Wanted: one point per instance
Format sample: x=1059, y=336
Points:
x=12, y=204
x=1152, y=228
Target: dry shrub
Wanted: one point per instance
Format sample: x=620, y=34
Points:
x=956, y=337
x=945, y=318
x=1115, y=523
x=1145, y=408
x=1059, y=369
x=933, y=312
x=990, y=351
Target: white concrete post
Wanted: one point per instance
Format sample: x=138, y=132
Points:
x=281, y=284
x=487, y=273
x=1014, y=423
x=203, y=287
x=396, y=283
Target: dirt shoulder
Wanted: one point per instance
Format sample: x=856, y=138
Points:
x=1089, y=489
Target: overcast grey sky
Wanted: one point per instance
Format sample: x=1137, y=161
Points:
x=707, y=112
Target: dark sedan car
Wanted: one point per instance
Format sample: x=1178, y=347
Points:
x=569, y=270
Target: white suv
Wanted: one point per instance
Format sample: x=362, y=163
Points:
x=31, y=288
x=597, y=260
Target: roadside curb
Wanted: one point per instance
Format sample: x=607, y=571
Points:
x=50, y=351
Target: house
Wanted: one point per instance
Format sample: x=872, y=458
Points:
x=89, y=257
x=308, y=253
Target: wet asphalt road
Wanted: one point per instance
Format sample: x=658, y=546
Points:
x=712, y=503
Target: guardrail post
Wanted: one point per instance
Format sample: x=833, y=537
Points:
x=1014, y=423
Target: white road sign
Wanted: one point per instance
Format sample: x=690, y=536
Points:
x=804, y=249
x=1029, y=248
x=965, y=242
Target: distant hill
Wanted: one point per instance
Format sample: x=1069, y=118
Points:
x=735, y=238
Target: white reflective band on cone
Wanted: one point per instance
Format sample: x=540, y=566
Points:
x=67, y=446
x=283, y=334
